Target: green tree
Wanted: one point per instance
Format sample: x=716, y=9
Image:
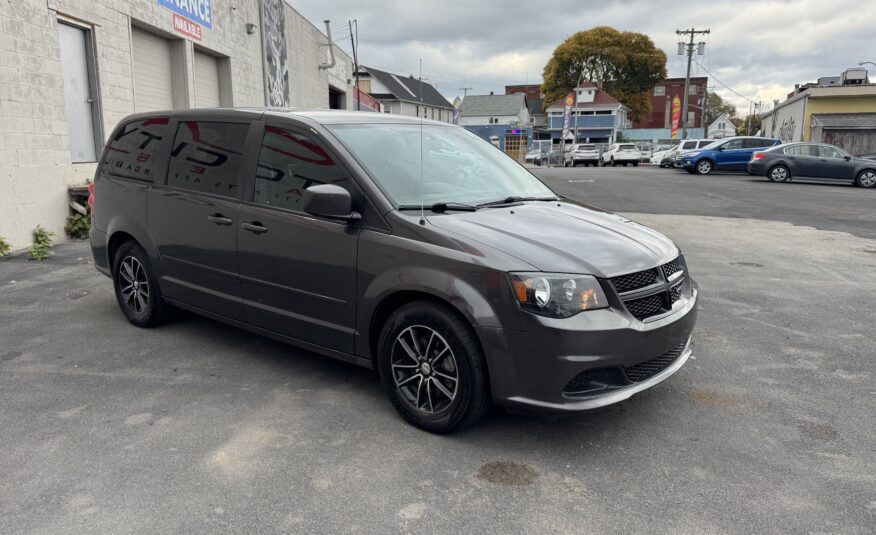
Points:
x=627, y=63
x=716, y=107
x=756, y=124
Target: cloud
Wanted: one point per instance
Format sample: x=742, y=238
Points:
x=758, y=48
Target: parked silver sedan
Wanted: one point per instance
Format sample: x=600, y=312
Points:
x=821, y=161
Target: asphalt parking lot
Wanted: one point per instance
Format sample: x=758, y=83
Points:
x=196, y=427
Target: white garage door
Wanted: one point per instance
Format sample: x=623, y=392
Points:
x=153, y=82
x=206, y=81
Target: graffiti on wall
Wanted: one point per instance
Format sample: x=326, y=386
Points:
x=787, y=130
x=274, y=41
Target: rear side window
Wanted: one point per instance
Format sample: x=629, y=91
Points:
x=131, y=151
x=206, y=157
x=689, y=145
x=704, y=142
x=800, y=150
x=756, y=143
x=289, y=163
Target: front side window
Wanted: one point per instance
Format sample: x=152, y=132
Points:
x=289, y=163
x=736, y=144
x=131, y=151
x=825, y=151
x=456, y=165
x=206, y=157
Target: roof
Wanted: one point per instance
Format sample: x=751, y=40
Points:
x=407, y=89
x=476, y=105
x=601, y=98
x=846, y=120
x=536, y=106
x=317, y=116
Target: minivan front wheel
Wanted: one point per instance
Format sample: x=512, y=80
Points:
x=136, y=287
x=432, y=367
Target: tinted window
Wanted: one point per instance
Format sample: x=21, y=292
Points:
x=733, y=145
x=705, y=142
x=627, y=147
x=206, y=156
x=799, y=150
x=689, y=145
x=755, y=143
x=830, y=152
x=131, y=151
x=289, y=163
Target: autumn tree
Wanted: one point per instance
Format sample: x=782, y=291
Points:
x=756, y=124
x=628, y=64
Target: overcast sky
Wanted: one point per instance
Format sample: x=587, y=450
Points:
x=760, y=49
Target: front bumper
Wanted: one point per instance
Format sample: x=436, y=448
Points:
x=532, y=369
x=687, y=163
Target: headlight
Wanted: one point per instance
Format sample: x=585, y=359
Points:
x=556, y=294
x=691, y=154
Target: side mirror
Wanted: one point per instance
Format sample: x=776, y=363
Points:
x=847, y=158
x=330, y=201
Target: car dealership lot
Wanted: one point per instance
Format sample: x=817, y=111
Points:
x=196, y=427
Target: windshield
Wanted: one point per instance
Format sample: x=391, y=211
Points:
x=457, y=165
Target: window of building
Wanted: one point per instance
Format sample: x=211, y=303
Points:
x=206, y=157
x=691, y=118
x=289, y=163
x=692, y=90
x=131, y=151
x=660, y=91
x=80, y=92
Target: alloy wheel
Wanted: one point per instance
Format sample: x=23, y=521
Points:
x=867, y=179
x=779, y=174
x=704, y=167
x=134, y=285
x=424, y=369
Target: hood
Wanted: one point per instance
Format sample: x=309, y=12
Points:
x=563, y=237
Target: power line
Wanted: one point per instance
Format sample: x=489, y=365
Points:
x=477, y=44
x=737, y=93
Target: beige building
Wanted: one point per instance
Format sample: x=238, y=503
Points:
x=71, y=69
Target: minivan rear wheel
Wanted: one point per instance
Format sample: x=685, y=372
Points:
x=432, y=367
x=136, y=286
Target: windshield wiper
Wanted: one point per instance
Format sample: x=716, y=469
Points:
x=515, y=198
x=440, y=207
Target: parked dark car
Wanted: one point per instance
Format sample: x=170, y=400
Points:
x=461, y=277
x=783, y=163
x=730, y=154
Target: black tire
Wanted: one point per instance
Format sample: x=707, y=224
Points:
x=132, y=273
x=613, y=163
x=573, y=163
x=866, y=178
x=471, y=398
x=779, y=173
x=704, y=166
x=635, y=164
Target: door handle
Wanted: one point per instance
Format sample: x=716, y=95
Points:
x=254, y=227
x=219, y=219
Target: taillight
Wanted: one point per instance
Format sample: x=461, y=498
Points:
x=91, y=199
x=758, y=156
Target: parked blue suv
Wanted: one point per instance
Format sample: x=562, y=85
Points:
x=731, y=154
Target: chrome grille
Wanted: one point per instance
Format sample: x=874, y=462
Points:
x=650, y=292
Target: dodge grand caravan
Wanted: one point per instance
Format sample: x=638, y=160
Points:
x=412, y=247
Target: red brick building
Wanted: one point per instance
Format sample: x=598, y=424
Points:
x=661, y=102
x=532, y=91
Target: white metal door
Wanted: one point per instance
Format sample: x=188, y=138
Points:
x=153, y=82
x=206, y=80
x=78, y=102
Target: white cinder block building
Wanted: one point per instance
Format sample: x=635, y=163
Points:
x=71, y=69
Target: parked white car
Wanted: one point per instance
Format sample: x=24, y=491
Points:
x=585, y=153
x=621, y=153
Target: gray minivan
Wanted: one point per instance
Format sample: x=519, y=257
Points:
x=413, y=247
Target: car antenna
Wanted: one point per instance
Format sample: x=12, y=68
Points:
x=422, y=208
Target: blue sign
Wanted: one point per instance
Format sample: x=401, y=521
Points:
x=200, y=11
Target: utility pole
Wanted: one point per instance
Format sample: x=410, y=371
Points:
x=703, y=113
x=689, y=46
x=355, y=39
x=464, y=91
